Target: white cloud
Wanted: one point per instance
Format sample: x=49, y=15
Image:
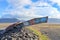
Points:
x=33, y=12
x=56, y=1
x=55, y=13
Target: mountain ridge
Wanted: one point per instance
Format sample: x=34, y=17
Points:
x=53, y=20
x=13, y=20
x=8, y=20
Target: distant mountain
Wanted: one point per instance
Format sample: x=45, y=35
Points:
x=54, y=20
x=12, y=20
x=8, y=20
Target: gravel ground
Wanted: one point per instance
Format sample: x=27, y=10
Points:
x=23, y=34
x=52, y=33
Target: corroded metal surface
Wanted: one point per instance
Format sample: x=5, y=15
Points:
x=18, y=32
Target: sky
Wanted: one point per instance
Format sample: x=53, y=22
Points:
x=28, y=9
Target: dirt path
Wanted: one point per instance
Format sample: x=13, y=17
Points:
x=52, y=33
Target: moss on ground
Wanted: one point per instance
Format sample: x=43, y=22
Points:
x=41, y=36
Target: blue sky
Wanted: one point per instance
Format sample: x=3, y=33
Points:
x=27, y=9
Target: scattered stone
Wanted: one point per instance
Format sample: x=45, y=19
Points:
x=24, y=34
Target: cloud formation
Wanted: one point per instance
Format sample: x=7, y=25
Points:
x=31, y=9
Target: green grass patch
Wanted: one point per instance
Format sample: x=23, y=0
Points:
x=41, y=36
